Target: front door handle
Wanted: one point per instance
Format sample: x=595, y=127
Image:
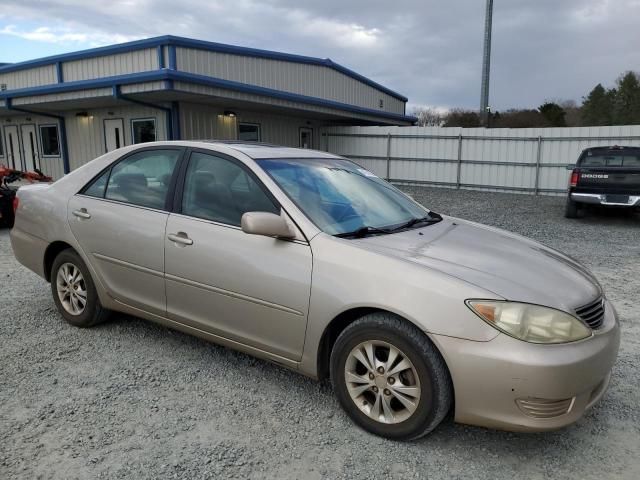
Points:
x=82, y=213
x=180, y=238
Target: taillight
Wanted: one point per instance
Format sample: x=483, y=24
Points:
x=16, y=202
x=574, y=179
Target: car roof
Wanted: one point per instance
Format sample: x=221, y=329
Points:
x=260, y=150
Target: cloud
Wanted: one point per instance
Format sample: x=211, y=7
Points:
x=429, y=50
x=65, y=36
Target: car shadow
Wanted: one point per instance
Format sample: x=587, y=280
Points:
x=448, y=436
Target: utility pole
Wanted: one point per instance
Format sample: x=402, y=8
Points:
x=486, y=65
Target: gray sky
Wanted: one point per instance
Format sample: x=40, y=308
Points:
x=428, y=50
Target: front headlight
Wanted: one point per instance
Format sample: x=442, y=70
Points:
x=531, y=323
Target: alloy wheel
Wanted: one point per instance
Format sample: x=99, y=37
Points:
x=382, y=382
x=71, y=288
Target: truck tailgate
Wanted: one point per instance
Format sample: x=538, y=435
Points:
x=623, y=181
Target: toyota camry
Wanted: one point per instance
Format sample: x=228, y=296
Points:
x=307, y=260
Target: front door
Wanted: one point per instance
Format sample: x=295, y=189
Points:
x=119, y=221
x=113, y=133
x=12, y=143
x=30, y=147
x=306, y=137
x=247, y=288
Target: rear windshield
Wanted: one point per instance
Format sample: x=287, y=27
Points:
x=617, y=159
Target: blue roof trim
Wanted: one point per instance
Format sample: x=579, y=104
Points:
x=202, y=45
x=105, y=82
x=172, y=75
x=294, y=97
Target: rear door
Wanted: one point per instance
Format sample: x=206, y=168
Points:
x=119, y=221
x=247, y=288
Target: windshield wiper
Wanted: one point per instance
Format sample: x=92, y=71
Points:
x=429, y=220
x=362, y=232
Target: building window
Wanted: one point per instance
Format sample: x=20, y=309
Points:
x=50, y=140
x=143, y=130
x=249, y=132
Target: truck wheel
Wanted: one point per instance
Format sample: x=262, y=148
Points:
x=571, y=209
x=390, y=378
x=73, y=291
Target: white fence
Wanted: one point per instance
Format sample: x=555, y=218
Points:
x=531, y=160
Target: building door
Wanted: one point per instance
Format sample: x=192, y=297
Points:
x=12, y=144
x=113, y=133
x=30, y=147
x=306, y=137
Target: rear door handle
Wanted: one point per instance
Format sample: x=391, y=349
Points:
x=82, y=213
x=180, y=238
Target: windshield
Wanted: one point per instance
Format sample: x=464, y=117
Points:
x=625, y=159
x=339, y=196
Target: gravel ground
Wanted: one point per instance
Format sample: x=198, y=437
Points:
x=131, y=399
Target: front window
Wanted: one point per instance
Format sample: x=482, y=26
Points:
x=50, y=140
x=249, y=132
x=339, y=196
x=221, y=190
x=144, y=130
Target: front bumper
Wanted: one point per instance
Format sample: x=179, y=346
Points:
x=513, y=385
x=601, y=199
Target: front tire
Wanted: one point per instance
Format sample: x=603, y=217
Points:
x=73, y=291
x=389, y=378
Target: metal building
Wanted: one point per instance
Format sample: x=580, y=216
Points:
x=59, y=112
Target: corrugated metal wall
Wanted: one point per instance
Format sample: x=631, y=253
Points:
x=33, y=77
x=86, y=134
x=312, y=80
x=51, y=166
x=60, y=97
x=110, y=65
x=271, y=102
x=203, y=122
x=531, y=160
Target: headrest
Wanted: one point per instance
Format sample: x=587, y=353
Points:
x=131, y=180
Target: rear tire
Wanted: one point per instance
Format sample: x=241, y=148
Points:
x=371, y=397
x=571, y=209
x=74, y=292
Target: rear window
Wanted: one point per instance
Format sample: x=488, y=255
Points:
x=621, y=159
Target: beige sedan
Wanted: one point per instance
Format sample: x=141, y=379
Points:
x=310, y=261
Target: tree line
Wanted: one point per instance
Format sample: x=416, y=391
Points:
x=619, y=105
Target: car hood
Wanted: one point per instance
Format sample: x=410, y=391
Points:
x=511, y=266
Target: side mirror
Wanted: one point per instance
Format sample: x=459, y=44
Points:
x=266, y=224
x=571, y=166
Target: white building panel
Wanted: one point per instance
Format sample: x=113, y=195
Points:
x=86, y=134
x=303, y=79
x=111, y=65
x=51, y=166
x=32, y=77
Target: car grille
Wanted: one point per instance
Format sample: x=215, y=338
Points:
x=543, y=408
x=592, y=313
